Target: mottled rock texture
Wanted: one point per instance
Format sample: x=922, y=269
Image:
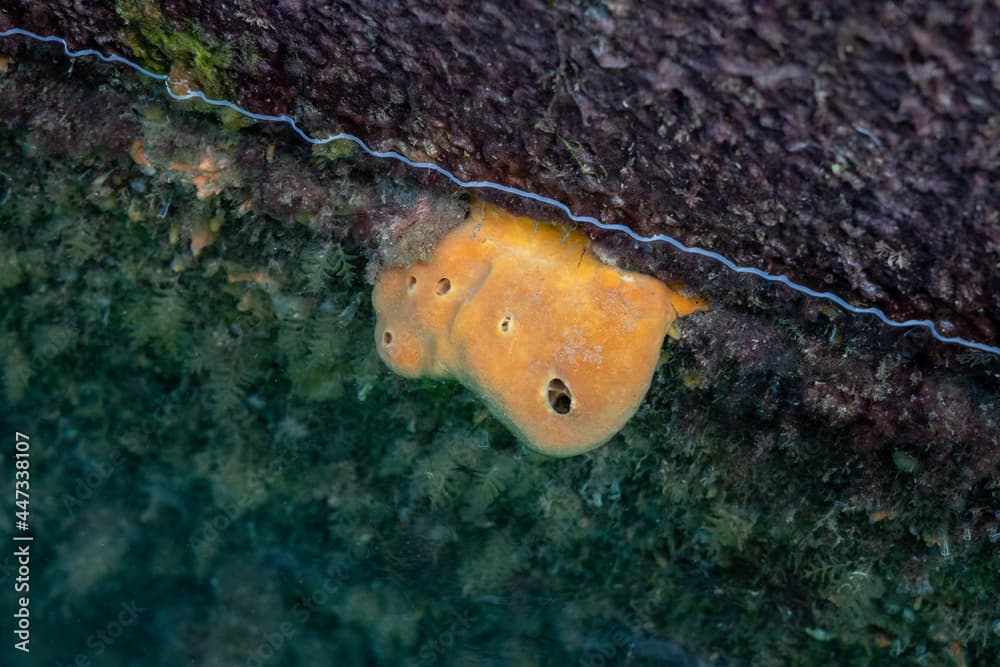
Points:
x=852, y=146
x=216, y=442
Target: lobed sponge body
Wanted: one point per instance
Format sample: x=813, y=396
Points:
x=561, y=346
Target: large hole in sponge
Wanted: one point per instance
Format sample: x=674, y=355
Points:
x=506, y=323
x=560, y=397
x=411, y=283
x=387, y=338
x=443, y=287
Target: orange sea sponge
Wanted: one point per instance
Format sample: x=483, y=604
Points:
x=561, y=346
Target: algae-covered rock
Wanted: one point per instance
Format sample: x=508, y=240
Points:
x=222, y=472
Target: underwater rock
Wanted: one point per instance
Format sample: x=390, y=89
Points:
x=848, y=146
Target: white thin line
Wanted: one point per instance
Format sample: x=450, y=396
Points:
x=499, y=187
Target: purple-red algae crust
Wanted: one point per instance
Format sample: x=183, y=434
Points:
x=848, y=146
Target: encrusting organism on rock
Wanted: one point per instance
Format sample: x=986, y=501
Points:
x=560, y=346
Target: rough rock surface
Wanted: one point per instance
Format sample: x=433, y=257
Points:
x=185, y=332
x=852, y=147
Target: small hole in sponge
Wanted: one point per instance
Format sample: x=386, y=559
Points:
x=411, y=283
x=505, y=324
x=387, y=338
x=443, y=287
x=560, y=398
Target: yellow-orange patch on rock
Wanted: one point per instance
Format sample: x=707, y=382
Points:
x=561, y=346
